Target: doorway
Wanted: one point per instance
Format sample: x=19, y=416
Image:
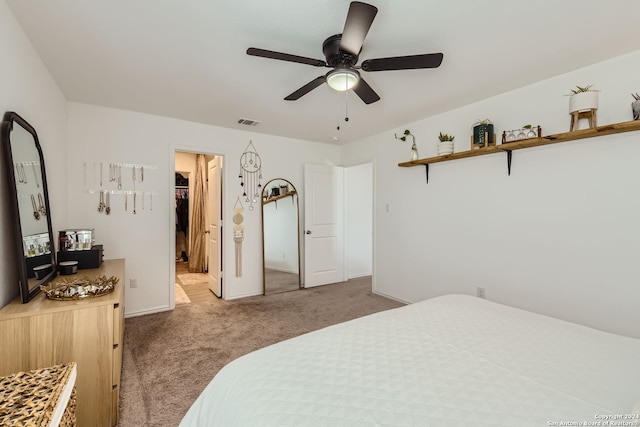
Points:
x=338, y=234
x=198, y=208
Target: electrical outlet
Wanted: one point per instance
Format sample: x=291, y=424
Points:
x=133, y=283
x=480, y=292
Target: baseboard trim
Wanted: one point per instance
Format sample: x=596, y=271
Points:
x=148, y=311
x=390, y=297
x=242, y=296
x=357, y=276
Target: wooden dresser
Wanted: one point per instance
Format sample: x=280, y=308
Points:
x=89, y=332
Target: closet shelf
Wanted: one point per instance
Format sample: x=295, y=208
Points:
x=609, y=129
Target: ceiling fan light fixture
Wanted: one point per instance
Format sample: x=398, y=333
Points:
x=342, y=79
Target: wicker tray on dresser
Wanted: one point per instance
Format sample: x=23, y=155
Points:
x=43, y=397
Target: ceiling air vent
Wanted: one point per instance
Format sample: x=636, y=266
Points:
x=248, y=122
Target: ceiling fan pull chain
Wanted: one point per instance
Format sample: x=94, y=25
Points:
x=346, y=106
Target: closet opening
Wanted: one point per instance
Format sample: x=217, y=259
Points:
x=196, y=230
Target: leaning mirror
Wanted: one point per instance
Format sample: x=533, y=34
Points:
x=280, y=237
x=26, y=176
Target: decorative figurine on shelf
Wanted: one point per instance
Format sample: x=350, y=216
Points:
x=445, y=146
x=483, y=135
x=414, y=149
x=635, y=106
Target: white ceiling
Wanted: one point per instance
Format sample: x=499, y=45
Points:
x=186, y=59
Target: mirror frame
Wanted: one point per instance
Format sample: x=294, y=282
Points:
x=28, y=290
x=264, y=198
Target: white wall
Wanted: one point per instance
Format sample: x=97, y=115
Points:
x=27, y=88
x=359, y=220
x=98, y=134
x=560, y=236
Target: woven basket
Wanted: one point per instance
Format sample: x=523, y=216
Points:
x=28, y=399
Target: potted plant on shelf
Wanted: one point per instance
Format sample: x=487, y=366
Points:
x=583, y=98
x=445, y=146
x=403, y=138
x=635, y=106
x=482, y=134
x=583, y=104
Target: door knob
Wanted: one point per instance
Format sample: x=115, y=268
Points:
x=308, y=232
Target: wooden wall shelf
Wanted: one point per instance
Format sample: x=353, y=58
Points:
x=610, y=129
x=276, y=198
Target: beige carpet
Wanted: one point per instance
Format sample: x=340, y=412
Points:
x=169, y=357
x=181, y=295
x=279, y=281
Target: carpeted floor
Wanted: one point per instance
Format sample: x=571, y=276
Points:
x=170, y=357
x=279, y=281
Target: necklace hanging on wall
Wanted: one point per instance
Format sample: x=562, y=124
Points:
x=250, y=175
x=238, y=235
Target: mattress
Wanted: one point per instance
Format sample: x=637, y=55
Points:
x=453, y=360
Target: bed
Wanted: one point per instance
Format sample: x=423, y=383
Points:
x=453, y=360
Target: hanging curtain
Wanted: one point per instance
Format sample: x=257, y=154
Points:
x=197, y=252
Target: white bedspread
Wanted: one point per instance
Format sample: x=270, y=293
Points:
x=448, y=361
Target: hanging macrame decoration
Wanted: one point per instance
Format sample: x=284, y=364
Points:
x=250, y=175
x=238, y=234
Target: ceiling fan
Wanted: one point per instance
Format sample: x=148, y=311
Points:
x=341, y=52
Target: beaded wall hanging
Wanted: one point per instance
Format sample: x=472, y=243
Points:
x=238, y=235
x=251, y=175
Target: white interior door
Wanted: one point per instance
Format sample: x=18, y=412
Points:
x=214, y=225
x=324, y=233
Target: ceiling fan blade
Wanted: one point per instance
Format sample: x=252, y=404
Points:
x=410, y=62
x=306, y=89
x=285, y=57
x=365, y=92
x=359, y=20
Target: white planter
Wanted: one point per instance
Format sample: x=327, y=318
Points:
x=445, y=148
x=583, y=101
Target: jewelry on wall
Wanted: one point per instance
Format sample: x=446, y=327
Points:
x=250, y=174
x=41, y=207
x=20, y=173
x=35, y=174
x=116, y=185
x=36, y=213
x=238, y=235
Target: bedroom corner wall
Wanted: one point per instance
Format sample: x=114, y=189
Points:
x=358, y=220
x=560, y=236
x=27, y=88
x=99, y=134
